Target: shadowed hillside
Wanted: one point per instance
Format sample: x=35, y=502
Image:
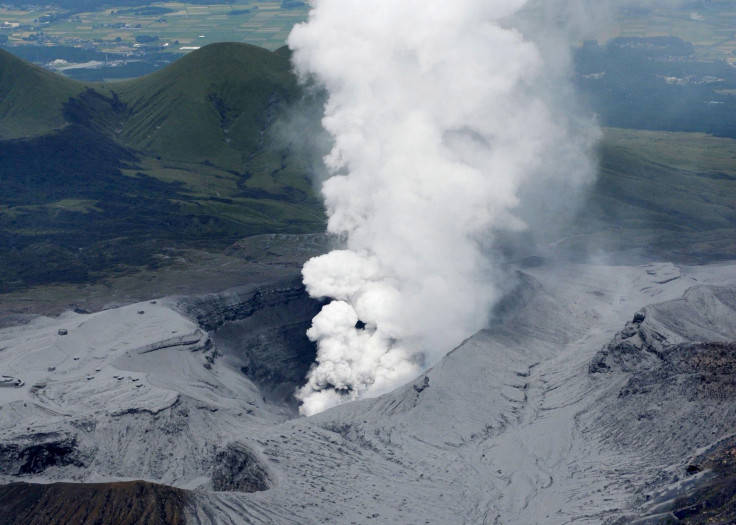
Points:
x=86, y=504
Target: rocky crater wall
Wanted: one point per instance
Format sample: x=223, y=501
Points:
x=261, y=330
x=672, y=396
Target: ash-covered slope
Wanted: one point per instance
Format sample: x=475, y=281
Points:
x=141, y=392
x=671, y=374
x=261, y=331
x=508, y=428
x=561, y=412
x=125, y=393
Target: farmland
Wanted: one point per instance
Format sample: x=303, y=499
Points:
x=169, y=26
x=177, y=26
x=710, y=26
x=126, y=42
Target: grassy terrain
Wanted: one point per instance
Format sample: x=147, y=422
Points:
x=117, y=174
x=666, y=195
x=215, y=115
x=31, y=98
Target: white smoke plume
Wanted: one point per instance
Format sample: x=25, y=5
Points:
x=445, y=115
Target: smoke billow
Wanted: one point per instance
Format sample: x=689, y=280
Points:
x=451, y=124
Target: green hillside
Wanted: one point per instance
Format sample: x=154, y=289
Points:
x=658, y=194
x=107, y=179
x=31, y=98
x=213, y=105
x=104, y=178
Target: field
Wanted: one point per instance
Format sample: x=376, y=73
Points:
x=174, y=26
x=710, y=27
x=178, y=27
x=135, y=41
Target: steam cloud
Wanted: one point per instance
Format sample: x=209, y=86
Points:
x=450, y=125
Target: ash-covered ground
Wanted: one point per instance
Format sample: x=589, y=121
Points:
x=604, y=394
